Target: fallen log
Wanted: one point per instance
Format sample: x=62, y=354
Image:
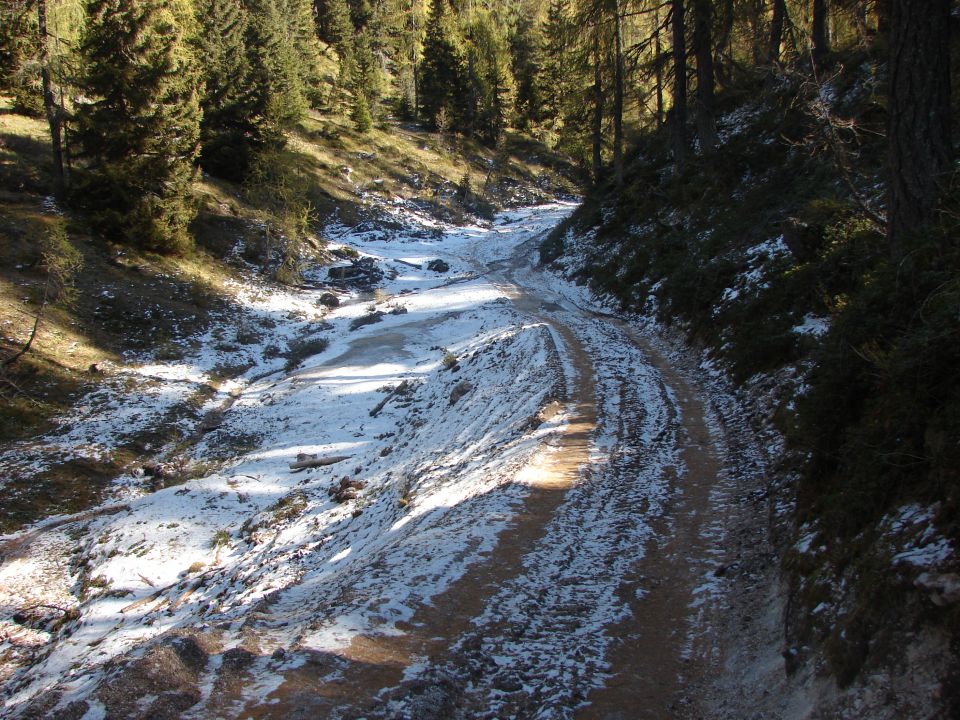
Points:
x=399, y=389
x=313, y=462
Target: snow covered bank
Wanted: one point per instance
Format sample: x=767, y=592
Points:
x=435, y=406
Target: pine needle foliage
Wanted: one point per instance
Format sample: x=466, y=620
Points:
x=230, y=131
x=137, y=125
x=443, y=72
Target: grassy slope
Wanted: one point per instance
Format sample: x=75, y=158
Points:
x=152, y=302
x=767, y=237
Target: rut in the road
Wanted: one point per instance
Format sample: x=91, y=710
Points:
x=542, y=642
x=589, y=604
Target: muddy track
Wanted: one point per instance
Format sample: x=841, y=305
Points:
x=621, y=506
x=594, y=602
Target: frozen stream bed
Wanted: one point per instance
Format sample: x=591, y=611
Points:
x=510, y=502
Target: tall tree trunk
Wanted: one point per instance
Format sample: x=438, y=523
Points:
x=50, y=103
x=597, y=107
x=415, y=57
x=819, y=31
x=883, y=9
x=659, y=65
x=618, y=96
x=776, y=30
x=918, y=130
x=726, y=14
x=679, y=110
x=703, y=50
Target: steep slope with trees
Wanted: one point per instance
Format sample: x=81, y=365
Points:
x=807, y=242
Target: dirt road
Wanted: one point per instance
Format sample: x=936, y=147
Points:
x=623, y=513
x=553, y=545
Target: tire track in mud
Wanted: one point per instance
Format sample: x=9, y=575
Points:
x=543, y=641
x=587, y=607
x=348, y=683
x=594, y=616
x=605, y=621
x=570, y=607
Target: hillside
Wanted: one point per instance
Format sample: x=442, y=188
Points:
x=125, y=305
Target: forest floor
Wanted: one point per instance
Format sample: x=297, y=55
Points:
x=533, y=507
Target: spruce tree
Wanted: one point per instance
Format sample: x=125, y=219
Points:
x=919, y=128
x=20, y=49
x=279, y=93
x=527, y=59
x=301, y=35
x=443, y=72
x=137, y=124
x=492, y=84
x=406, y=54
x=334, y=25
x=559, y=71
x=364, y=83
x=230, y=132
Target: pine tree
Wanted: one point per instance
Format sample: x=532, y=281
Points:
x=138, y=124
x=279, y=92
x=301, y=35
x=443, y=73
x=20, y=49
x=406, y=55
x=703, y=51
x=492, y=87
x=364, y=83
x=919, y=129
x=820, y=45
x=679, y=110
x=230, y=133
x=334, y=25
x=559, y=68
x=527, y=53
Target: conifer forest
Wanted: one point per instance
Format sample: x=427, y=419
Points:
x=454, y=359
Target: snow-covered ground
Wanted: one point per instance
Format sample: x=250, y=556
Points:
x=430, y=397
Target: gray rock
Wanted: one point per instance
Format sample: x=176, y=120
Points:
x=459, y=390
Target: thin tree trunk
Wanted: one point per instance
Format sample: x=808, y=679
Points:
x=726, y=14
x=703, y=50
x=659, y=66
x=597, y=107
x=618, y=96
x=819, y=31
x=776, y=30
x=918, y=129
x=883, y=11
x=36, y=325
x=679, y=110
x=50, y=104
x=415, y=59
